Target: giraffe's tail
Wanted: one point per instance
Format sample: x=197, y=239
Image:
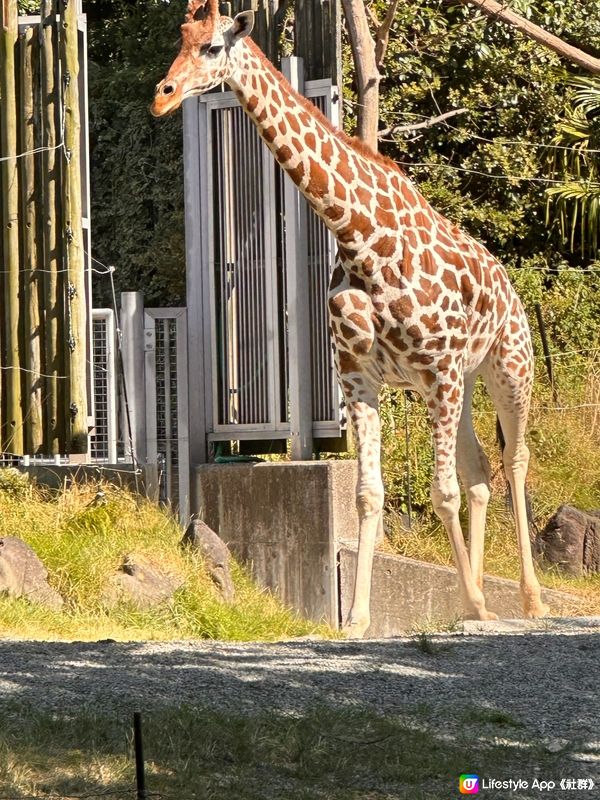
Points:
x=533, y=528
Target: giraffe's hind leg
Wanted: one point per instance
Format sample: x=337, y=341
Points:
x=445, y=402
x=474, y=472
x=508, y=375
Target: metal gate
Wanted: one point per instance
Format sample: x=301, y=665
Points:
x=258, y=269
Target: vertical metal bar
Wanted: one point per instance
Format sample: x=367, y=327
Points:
x=242, y=261
x=208, y=142
x=298, y=302
x=133, y=345
x=151, y=432
x=183, y=418
x=111, y=386
x=196, y=245
x=254, y=275
x=164, y=324
x=140, y=775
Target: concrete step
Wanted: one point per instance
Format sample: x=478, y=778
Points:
x=408, y=594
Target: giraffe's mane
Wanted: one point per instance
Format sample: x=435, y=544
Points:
x=362, y=148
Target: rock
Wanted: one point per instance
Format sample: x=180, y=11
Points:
x=200, y=538
x=22, y=574
x=571, y=541
x=140, y=583
x=556, y=745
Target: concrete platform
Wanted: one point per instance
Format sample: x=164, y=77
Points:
x=286, y=520
x=296, y=525
x=408, y=594
x=562, y=625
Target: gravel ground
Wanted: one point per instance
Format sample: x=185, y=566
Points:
x=547, y=680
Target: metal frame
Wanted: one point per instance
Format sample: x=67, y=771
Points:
x=107, y=315
x=288, y=302
x=152, y=318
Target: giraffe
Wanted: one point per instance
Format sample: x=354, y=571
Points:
x=414, y=302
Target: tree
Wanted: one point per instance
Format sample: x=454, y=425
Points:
x=368, y=52
x=499, y=11
x=574, y=205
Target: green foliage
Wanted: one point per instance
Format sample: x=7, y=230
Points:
x=136, y=161
x=515, y=93
x=574, y=205
x=403, y=461
x=82, y=545
x=14, y=484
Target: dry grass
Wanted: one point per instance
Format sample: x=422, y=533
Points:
x=564, y=468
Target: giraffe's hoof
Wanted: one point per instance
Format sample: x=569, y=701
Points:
x=355, y=629
x=482, y=614
x=536, y=610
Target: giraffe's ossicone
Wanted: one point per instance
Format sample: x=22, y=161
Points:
x=414, y=302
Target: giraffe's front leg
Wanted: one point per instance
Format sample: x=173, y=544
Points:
x=369, y=501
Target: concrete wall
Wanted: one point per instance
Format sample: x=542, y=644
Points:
x=296, y=525
x=408, y=594
x=54, y=476
x=287, y=521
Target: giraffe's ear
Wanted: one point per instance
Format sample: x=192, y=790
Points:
x=242, y=26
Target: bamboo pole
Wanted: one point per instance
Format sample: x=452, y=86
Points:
x=74, y=261
x=2, y=268
x=32, y=335
x=13, y=429
x=51, y=228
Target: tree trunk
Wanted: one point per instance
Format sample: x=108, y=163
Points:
x=51, y=224
x=499, y=11
x=29, y=164
x=74, y=261
x=13, y=419
x=367, y=74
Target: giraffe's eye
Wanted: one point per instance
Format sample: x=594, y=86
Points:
x=211, y=49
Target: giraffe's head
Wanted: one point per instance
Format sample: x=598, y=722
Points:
x=206, y=58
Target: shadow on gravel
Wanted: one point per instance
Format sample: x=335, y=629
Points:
x=299, y=720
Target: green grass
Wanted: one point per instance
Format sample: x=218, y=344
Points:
x=564, y=468
x=82, y=544
x=329, y=754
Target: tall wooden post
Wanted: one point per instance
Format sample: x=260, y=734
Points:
x=74, y=261
x=52, y=232
x=13, y=427
x=31, y=250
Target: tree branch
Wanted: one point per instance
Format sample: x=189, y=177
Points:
x=498, y=11
x=383, y=33
x=427, y=123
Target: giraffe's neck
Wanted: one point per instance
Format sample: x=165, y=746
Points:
x=358, y=196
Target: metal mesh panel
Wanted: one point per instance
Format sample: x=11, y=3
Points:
x=99, y=440
x=103, y=440
x=240, y=256
x=166, y=407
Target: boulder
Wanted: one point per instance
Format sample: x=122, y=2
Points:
x=22, y=574
x=571, y=541
x=140, y=583
x=202, y=539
